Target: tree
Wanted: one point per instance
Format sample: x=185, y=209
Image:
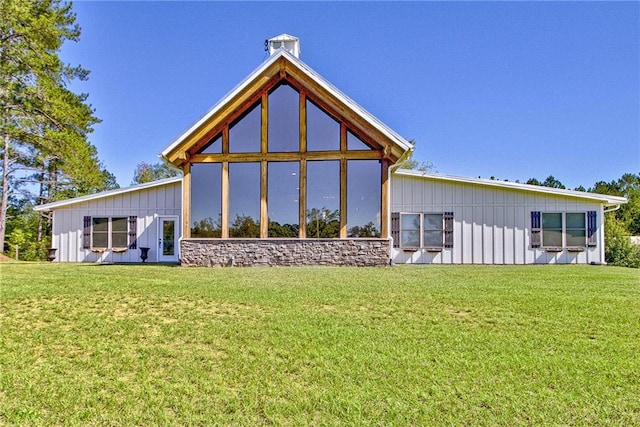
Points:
x=146, y=172
x=549, y=182
x=43, y=125
x=413, y=164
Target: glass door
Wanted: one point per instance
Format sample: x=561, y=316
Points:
x=168, y=239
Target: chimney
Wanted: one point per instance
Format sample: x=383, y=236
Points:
x=283, y=41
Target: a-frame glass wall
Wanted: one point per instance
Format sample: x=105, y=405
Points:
x=285, y=167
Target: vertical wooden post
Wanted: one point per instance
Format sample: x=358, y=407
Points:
x=186, y=200
x=264, y=213
x=302, y=191
x=225, y=200
x=384, y=196
x=343, y=181
x=302, y=217
x=264, y=141
x=343, y=198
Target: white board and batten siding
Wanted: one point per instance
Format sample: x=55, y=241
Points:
x=492, y=223
x=147, y=203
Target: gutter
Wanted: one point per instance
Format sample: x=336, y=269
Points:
x=611, y=208
x=390, y=171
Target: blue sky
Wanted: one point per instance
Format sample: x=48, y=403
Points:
x=507, y=89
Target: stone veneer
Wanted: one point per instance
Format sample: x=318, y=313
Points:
x=284, y=252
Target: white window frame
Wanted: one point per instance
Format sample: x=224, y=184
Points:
x=110, y=232
x=564, y=230
x=421, y=231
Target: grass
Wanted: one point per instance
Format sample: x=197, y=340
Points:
x=462, y=345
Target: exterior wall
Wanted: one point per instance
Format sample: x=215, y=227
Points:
x=147, y=204
x=284, y=252
x=491, y=225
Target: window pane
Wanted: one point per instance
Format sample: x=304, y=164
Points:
x=575, y=220
x=323, y=199
x=323, y=132
x=355, y=143
x=433, y=221
x=214, y=146
x=552, y=220
x=244, y=133
x=168, y=237
x=101, y=224
x=363, y=198
x=244, y=199
x=432, y=238
x=284, y=119
x=552, y=238
x=410, y=233
x=100, y=240
x=283, y=189
x=119, y=224
x=118, y=240
x=206, y=200
x=576, y=237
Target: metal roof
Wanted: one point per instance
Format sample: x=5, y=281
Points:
x=368, y=117
x=602, y=198
x=109, y=193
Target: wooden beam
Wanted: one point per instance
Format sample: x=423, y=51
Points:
x=186, y=201
x=225, y=200
x=287, y=157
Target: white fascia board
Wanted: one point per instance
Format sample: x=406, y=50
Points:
x=109, y=193
x=602, y=198
x=388, y=132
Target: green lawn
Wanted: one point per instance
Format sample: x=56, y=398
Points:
x=462, y=345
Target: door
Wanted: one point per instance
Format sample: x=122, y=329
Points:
x=168, y=239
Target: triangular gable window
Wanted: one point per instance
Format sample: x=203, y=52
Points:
x=355, y=143
x=244, y=133
x=323, y=131
x=214, y=146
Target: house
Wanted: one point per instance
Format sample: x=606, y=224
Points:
x=287, y=170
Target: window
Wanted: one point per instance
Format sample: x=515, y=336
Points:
x=363, y=198
x=563, y=229
x=244, y=200
x=244, y=133
x=283, y=187
x=433, y=231
x=423, y=230
x=323, y=131
x=410, y=230
x=284, y=120
x=107, y=233
x=206, y=200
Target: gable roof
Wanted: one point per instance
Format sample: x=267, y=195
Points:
x=605, y=199
x=282, y=63
x=109, y=193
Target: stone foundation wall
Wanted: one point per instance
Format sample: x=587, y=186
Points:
x=283, y=252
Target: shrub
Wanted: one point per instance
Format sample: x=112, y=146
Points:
x=618, y=247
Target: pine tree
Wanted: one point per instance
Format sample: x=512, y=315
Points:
x=43, y=125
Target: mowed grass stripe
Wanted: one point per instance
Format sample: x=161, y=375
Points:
x=474, y=345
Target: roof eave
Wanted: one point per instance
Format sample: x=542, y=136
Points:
x=605, y=199
x=110, y=193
